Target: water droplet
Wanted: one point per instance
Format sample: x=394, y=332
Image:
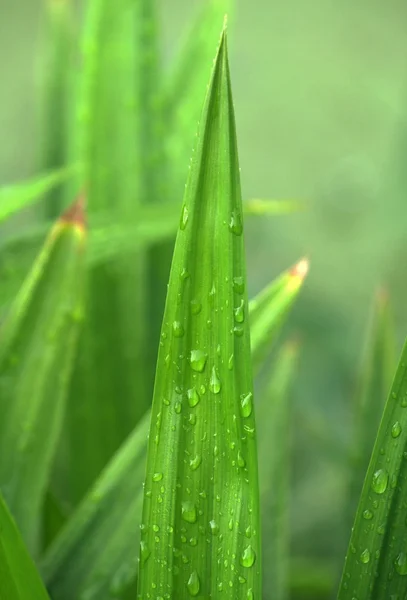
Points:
x=184, y=218
x=238, y=285
x=195, y=462
x=193, y=397
x=246, y=404
x=367, y=514
x=403, y=401
x=193, y=584
x=380, y=481
x=144, y=551
x=214, y=527
x=250, y=594
x=248, y=557
x=198, y=360
x=178, y=329
x=240, y=460
x=239, y=312
x=235, y=223
x=184, y=274
x=230, y=362
x=401, y=563
x=365, y=556
x=238, y=330
x=192, y=419
x=178, y=407
x=188, y=511
x=157, y=476
x=214, y=383
x=196, y=307
x=396, y=429
x=248, y=531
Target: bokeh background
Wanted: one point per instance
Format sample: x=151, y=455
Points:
x=320, y=93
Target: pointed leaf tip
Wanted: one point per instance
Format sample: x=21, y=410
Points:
x=76, y=213
x=300, y=269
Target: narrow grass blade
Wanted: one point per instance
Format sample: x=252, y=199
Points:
x=273, y=431
x=19, y=579
x=109, y=527
x=200, y=531
x=116, y=120
x=269, y=309
x=376, y=562
x=94, y=557
x=14, y=198
x=37, y=341
x=57, y=93
x=376, y=373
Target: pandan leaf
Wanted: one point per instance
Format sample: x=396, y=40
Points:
x=19, y=579
x=200, y=530
x=273, y=430
x=375, y=378
x=376, y=562
x=101, y=535
x=14, y=198
x=114, y=138
x=57, y=92
x=270, y=308
x=37, y=342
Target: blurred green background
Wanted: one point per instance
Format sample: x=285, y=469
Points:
x=320, y=90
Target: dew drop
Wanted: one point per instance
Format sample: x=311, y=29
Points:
x=184, y=218
x=238, y=330
x=403, y=401
x=248, y=557
x=198, y=360
x=240, y=460
x=196, y=307
x=195, y=462
x=144, y=551
x=177, y=329
x=235, y=223
x=239, y=312
x=250, y=594
x=380, y=481
x=214, y=527
x=396, y=429
x=157, y=476
x=238, y=285
x=246, y=404
x=365, y=556
x=401, y=563
x=214, y=383
x=193, y=584
x=188, y=511
x=193, y=397
x=230, y=362
x=367, y=514
x=178, y=407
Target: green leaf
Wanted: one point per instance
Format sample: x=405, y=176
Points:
x=375, y=378
x=57, y=92
x=14, y=198
x=74, y=563
x=37, y=342
x=273, y=431
x=19, y=579
x=376, y=562
x=201, y=480
x=269, y=309
x=94, y=556
x=116, y=139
